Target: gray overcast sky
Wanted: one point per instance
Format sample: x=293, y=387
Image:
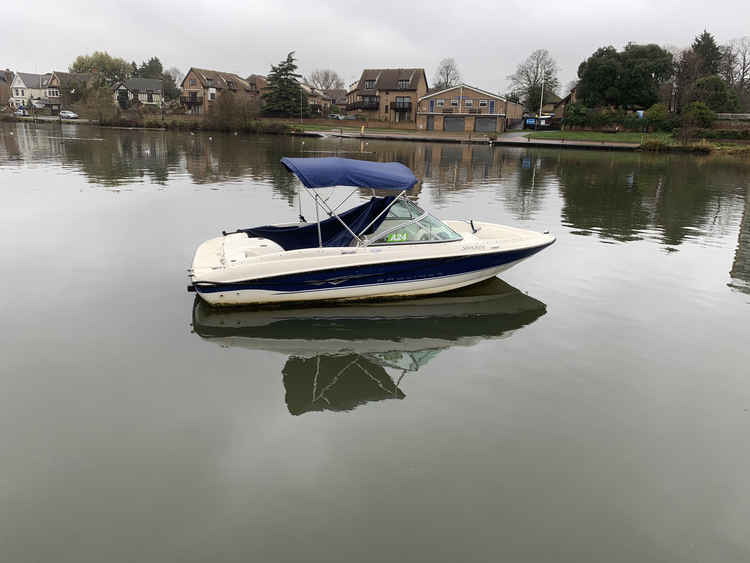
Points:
x=487, y=39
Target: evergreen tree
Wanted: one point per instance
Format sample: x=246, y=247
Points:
x=710, y=55
x=284, y=95
x=629, y=78
x=151, y=69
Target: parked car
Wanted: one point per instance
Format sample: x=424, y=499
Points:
x=67, y=114
x=334, y=116
x=22, y=111
x=350, y=117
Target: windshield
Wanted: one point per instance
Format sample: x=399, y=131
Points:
x=407, y=223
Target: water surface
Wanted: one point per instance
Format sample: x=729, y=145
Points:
x=593, y=406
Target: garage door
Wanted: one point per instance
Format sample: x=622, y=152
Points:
x=485, y=124
x=453, y=123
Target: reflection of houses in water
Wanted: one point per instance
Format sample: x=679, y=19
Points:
x=103, y=157
x=343, y=356
x=10, y=149
x=32, y=142
x=741, y=266
x=118, y=159
x=458, y=165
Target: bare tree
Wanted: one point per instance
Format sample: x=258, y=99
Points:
x=447, y=74
x=527, y=81
x=325, y=79
x=741, y=49
x=175, y=73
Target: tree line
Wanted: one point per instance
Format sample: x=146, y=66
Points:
x=115, y=69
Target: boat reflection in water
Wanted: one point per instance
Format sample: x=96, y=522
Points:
x=351, y=354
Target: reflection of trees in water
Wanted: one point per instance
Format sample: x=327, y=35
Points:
x=121, y=158
x=620, y=195
x=741, y=266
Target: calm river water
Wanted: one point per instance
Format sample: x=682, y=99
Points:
x=594, y=407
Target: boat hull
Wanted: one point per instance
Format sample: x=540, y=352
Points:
x=406, y=278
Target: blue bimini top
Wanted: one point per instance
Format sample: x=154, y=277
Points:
x=335, y=171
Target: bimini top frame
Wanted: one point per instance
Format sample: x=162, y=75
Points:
x=327, y=172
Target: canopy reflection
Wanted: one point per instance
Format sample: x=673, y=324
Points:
x=343, y=356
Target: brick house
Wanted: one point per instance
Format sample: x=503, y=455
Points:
x=318, y=101
x=559, y=109
x=336, y=95
x=65, y=87
x=387, y=94
x=201, y=88
x=257, y=84
x=464, y=108
x=6, y=79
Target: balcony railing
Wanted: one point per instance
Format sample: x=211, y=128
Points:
x=401, y=106
x=191, y=100
x=366, y=105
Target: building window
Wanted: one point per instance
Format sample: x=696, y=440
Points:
x=53, y=93
x=150, y=97
x=212, y=96
x=469, y=103
x=454, y=102
x=369, y=84
x=230, y=84
x=440, y=103
x=403, y=84
x=483, y=103
x=193, y=82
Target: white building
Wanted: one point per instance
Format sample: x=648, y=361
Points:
x=28, y=88
x=148, y=91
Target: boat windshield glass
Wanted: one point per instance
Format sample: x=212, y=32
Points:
x=406, y=223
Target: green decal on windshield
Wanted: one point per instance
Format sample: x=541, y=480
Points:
x=397, y=237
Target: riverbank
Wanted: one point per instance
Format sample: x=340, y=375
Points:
x=587, y=140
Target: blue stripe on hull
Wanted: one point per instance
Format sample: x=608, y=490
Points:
x=374, y=274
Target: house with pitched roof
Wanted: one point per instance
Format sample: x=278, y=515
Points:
x=27, y=89
x=388, y=94
x=65, y=87
x=6, y=79
x=147, y=91
x=336, y=95
x=202, y=87
x=465, y=108
x=559, y=108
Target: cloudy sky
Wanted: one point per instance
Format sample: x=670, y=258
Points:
x=487, y=39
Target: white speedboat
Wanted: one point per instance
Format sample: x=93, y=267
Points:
x=386, y=247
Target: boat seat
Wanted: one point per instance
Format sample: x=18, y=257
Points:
x=332, y=231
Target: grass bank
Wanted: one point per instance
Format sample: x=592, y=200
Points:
x=652, y=142
x=601, y=137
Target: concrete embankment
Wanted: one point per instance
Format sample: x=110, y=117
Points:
x=511, y=140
